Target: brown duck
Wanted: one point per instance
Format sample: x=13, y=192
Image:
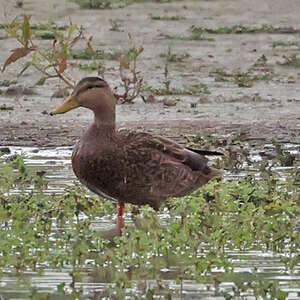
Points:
x=127, y=166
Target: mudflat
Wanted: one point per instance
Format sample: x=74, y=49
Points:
x=252, y=79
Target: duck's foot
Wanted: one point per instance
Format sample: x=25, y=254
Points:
x=120, y=219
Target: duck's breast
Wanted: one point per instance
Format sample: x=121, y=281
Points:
x=98, y=169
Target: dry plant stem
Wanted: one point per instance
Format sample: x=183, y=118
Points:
x=57, y=75
x=55, y=57
x=60, y=76
x=52, y=62
x=131, y=82
x=130, y=92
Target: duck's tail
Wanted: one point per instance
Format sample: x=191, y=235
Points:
x=215, y=173
x=205, y=152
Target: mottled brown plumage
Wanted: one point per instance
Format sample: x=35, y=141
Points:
x=127, y=166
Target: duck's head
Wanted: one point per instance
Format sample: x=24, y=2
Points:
x=93, y=93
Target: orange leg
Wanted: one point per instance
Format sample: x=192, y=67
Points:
x=120, y=212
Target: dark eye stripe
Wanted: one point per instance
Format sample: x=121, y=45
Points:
x=90, y=86
x=95, y=86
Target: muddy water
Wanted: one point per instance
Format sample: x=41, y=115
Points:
x=56, y=163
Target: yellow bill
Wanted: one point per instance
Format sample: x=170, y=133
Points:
x=71, y=103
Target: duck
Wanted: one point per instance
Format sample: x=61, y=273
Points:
x=129, y=166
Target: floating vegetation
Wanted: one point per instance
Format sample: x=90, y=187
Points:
x=198, y=241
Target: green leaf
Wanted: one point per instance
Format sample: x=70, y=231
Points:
x=26, y=30
x=27, y=65
x=41, y=81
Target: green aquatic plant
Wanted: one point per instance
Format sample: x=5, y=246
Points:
x=243, y=29
x=41, y=231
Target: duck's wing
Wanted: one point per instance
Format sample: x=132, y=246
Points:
x=175, y=170
x=194, y=158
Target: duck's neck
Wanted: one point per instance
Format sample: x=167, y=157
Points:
x=105, y=121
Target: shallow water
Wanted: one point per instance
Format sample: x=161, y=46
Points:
x=266, y=264
x=56, y=163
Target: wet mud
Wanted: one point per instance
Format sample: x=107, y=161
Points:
x=265, y=109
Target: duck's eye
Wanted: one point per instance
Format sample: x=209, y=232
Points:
x=95, y=86
x=100, y=85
